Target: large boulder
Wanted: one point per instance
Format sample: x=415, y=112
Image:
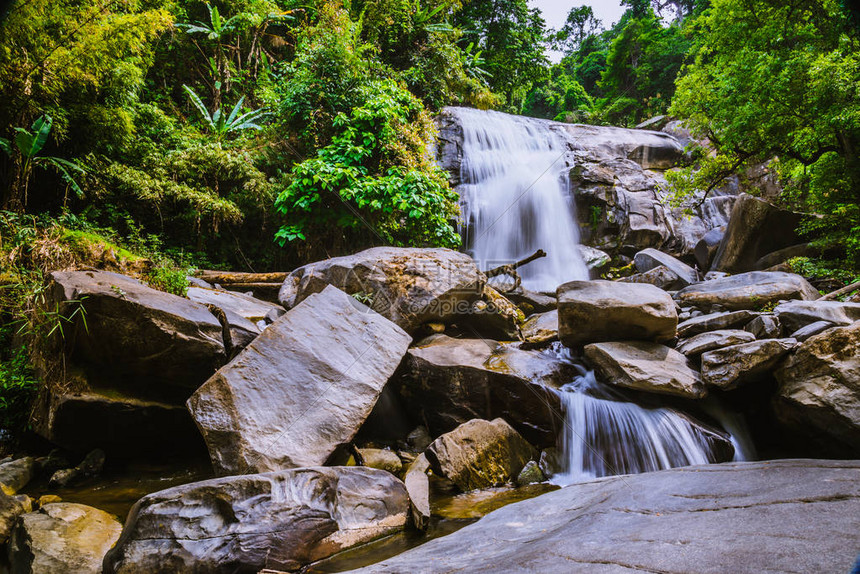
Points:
x=301, y=389
x=775, y=516
x=15, y=474
x=245, y=306
x=447, y=382
x=794, y=315
x=130, y=334
x=752, y=291
x=645, y=366
x=118, y=377
x=409, y=286
x=540, y=329
x=595, y=311
x=819, y=387
x=650, y=258
x=242, y=524
x=62, y=537
x=480, y=454
x=755, y=229
x=661, y=277
x=730, y=367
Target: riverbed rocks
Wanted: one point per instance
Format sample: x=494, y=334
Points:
x=779, y=516
x=595, y=311
x=714, y=321
x=301, y=389
x=645, y=366
x=650, y=258
x=480, y=454
x=730, y=367
x=15, y=474
x=819, y=388
x=540, y=329
x=711, y=340
x=752, y=291
x=409, y=286
x=795, y=315
x=62, y=537
x=447, y=382
x=242, y=524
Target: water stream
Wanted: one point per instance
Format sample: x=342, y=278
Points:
x=515, y=198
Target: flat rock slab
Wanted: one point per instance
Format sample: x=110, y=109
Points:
x=447, y=382
x=819, y=387
x=245, y=306
x=782, y=516
x=650, y=258
x=541, y=329
x=714, y=322
x=242, y=524
x=730, y=367
x=711, y=340
x=62, y=537
x=595, y=311
x=754, y=290
x=301, y=389
x=795, y=315
x=480, y=454
x=645, y=366
x=409, y=286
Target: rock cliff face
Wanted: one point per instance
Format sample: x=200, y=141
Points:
x=617, y=179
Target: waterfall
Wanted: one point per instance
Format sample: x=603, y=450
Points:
x=515, y=198
x=604, y=435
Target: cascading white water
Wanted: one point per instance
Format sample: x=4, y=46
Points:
x=515, y=198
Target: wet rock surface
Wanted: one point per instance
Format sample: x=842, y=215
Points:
x=242, y=524
x=644, y=366
x=781, y=516
x=730, y=367
x=751, y=291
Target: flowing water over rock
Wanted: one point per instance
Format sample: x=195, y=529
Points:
x=605, y=434
x=515, y=198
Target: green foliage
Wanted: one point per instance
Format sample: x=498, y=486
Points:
x=18, y=388
x=221, y=124
x=775, y=79
x=820, y=269
x=168, y=279
x=374, y=178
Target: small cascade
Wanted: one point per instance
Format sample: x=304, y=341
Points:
x=605, y=435
x=515, y=198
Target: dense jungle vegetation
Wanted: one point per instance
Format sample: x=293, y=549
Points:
x=161, y=135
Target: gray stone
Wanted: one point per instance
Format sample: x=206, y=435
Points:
x=661, y=277
x=531, y=302
x=819, y=387
x=811, y=330
x=418, y=487
x=480, y=454
x=301, y=388
x=764, y=327
x=707, y=247
x=243, y=524
x=595, y=311
x=755, y=229
x=409, y=286
x=15, y=474
x=90, y=467
x=731, y=367
x=711, y=340
x=550, y=463
x=645, y=366
x=754, y=290
x=62, y=537
x=530, y=474
x=247, y=307
x=714, y=322
x=540, y=329
x=447, y=382
x=10, y=509
x=494, y=316
x=419, y=439
x=381, y=459
x=795, y=315
x=594, y=258
x=650, y=258
x=779, y=516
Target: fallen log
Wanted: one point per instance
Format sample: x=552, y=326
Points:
x=839, y=292
x=239, y=278
x=510, y=269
